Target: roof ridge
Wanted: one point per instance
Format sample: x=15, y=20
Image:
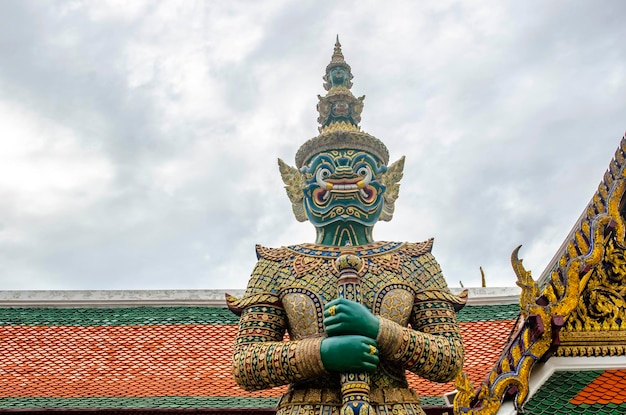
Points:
x=189, y=298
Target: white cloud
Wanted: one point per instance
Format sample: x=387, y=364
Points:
x=140, y=141
x=45, y=169
x=111, y=9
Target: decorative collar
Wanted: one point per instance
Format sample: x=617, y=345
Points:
x=323, y=251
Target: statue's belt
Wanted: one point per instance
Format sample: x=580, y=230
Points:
x=332, y=397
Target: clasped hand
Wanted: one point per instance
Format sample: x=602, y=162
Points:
x=351, y=344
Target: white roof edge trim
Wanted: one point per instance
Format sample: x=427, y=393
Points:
x=178, y=298
x=116, y=298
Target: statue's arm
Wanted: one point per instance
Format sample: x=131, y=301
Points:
x=431, y=348
x=263, y=360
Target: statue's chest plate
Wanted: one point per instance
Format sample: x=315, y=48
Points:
x=312, y=286
x=305, y=312
x=314, y=283
x=395, y=302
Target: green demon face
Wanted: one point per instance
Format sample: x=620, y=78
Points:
x=339, y=76
x=343, y=186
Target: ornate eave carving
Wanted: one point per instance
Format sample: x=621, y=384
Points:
x=580, y=309
x=592, y=343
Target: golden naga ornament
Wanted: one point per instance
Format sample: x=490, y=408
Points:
x=578, y=306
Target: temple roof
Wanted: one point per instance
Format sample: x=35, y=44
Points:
x=165, y=357
x=581, y=392
x=575, y=314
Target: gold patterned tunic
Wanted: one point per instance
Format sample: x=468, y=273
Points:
x=401, y=283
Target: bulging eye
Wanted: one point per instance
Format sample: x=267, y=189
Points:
x=363, y=171
x=323, y=173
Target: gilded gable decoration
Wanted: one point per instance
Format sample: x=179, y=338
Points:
x=577, y=308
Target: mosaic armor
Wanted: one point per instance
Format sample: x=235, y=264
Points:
x=342, y=320
x=402, y=284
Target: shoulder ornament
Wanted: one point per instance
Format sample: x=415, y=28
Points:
x=272, y=254
x=457, y=301
x=237, y=305
x=416, y=249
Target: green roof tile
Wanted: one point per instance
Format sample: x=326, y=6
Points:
x=160, y=402
x=432, y=400
x=128, y=316
x=152, y=402
x=140, y=316
x=488, y=312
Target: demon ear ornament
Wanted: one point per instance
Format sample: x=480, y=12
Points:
x=391, y=180
x=295, y=182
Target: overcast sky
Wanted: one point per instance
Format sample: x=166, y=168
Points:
x=139, y=139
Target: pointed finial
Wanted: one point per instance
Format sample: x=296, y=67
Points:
x=337, y=61
x=337, y=54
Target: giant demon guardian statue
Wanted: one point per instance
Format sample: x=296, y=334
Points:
x=358, y=312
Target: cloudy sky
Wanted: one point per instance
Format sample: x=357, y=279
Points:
x=139, y=138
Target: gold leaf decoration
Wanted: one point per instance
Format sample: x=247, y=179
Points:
x=295, y=182
x=391, y=180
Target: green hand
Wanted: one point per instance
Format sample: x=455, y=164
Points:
x=350, y=318
x=349, y=354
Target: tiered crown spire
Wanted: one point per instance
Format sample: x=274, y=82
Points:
x=337, y=61
x=339, y=116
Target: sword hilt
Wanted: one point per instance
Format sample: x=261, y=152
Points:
x=355, y=387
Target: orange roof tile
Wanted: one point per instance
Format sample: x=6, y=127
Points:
x=119, y=361
x=167, y=360
x=609, y=387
